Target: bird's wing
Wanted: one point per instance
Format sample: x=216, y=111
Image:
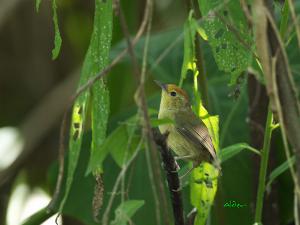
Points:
x=192, y=128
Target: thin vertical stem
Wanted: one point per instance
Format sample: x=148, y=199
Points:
x=263, y=167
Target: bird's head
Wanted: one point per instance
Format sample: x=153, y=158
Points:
x=173, y=97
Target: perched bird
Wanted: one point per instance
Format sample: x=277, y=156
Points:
x=188, y=136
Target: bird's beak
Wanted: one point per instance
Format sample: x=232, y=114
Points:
x=163, y=86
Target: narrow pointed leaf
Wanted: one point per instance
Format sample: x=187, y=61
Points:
x=57, y=37
x=95, y=59
x=280, y=170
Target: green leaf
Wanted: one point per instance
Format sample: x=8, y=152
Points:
x=280, y=170
x=57, y=37
x=203, y=185
x=232, y=150
x=98, y=59
x=212, y=123
x=121, y=144
x=37, y=5
x=190, y=29
x=228, y=35
x=95, y=60
x=125, y=211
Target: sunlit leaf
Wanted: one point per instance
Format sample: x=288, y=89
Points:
x=204, y=179
x=125, y=211
x=212, y=123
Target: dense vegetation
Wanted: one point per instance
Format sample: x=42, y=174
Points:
x=239, y=63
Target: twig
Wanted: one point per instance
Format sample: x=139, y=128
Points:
x=140, y=99
x=166, y=51
x=285, y=92
x=281, y=87
x=172, y=177
x=39, y=217
x=73, y=98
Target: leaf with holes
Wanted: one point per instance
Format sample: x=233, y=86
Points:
x=203, y=184
x=228, y=35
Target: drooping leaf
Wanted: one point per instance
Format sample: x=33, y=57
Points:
x=37, y=5
x=227, y=33
x=91, y=66
x=232, y=150
x=57, y=37
x=99, y=56
x=125, y=211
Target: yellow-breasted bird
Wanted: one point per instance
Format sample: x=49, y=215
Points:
x=188, y=136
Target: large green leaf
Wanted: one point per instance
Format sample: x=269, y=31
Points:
x=227, y=33
x=96, y=58
x=121, y=144
x=125, y=211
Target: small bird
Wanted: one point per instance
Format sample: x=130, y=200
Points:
x=188, y=136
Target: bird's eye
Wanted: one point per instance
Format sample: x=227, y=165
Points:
x=173, y=93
